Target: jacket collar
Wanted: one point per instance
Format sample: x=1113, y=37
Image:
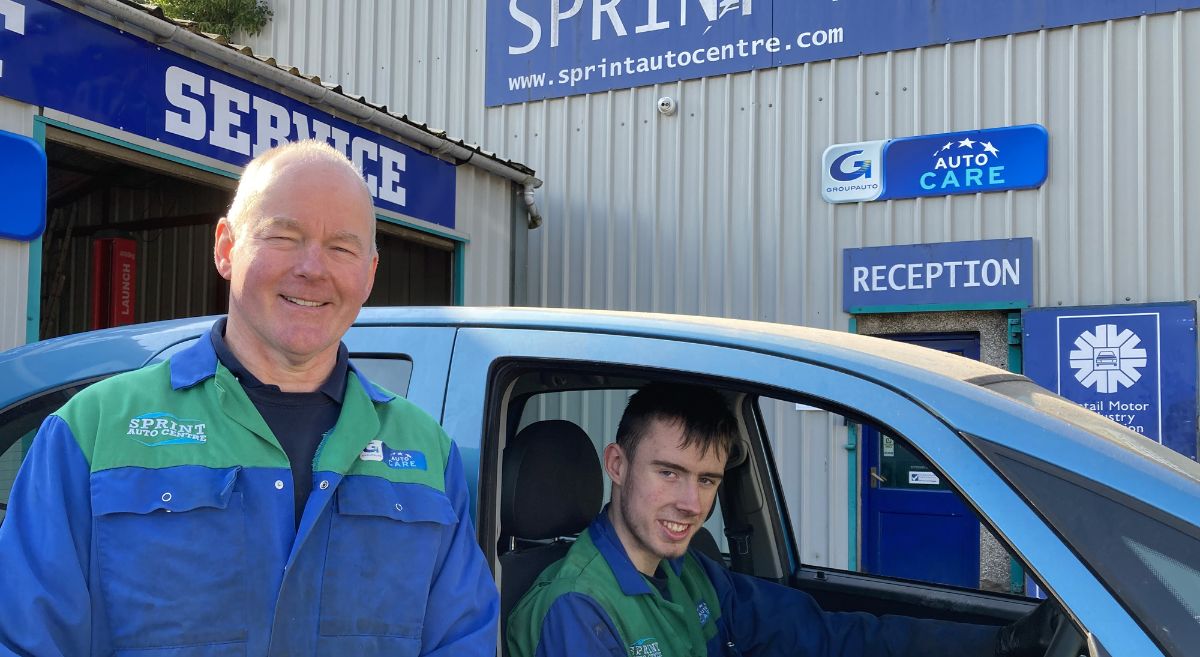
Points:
x=198, y=363
x=604, y=537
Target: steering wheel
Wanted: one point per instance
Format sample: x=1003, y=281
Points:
x=1067, y=641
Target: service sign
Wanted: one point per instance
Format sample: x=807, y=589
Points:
x=553, y=48
x=54, y=57
x=977, y=275
x=22, y=188
x=1134, y=364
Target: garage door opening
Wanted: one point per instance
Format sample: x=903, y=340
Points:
x=129, y=238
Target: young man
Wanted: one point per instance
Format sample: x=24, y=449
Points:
x=629, y=585
x=245, y=497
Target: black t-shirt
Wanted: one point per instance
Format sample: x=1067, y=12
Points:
x=659, y=581
x=299, y=420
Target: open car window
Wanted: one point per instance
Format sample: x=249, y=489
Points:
x=906, y=518
x=758, y=523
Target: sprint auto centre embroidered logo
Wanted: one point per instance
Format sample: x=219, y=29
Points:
x=396, y=459
x=703, y=612
x=159, y=428
x=647, y=647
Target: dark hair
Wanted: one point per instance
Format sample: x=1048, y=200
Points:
x=701, y=411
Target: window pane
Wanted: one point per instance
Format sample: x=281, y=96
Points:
x=18, y=425
x=391, y=372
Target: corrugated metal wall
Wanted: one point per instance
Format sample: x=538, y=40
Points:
x=14, y=256
x=484, y=213
x=717, y=210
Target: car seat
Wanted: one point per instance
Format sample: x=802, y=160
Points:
x=551, y=489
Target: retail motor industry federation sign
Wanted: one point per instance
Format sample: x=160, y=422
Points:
x=990, y=160
x=1134, y=364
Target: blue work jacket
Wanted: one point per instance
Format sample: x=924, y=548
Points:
x=154, y=516
x=595, y=603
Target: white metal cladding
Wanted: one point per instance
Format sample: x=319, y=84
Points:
x=717, y=210
x=14, y=256
x=484, y=214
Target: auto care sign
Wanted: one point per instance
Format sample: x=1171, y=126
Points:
x=1135, y=365
x=970, y=162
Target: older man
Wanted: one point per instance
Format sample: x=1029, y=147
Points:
x=631, y=586
x=254, y=495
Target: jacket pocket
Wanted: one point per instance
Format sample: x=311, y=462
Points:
x=170, y=556
x=384, y=545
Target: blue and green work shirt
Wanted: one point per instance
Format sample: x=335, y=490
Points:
x=595, y=603
x=153, y=516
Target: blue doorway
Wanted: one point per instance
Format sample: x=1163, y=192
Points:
x=914, y=524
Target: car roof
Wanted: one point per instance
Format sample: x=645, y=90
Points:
x=930, y=378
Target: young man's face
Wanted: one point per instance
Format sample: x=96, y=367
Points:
x=662, y=496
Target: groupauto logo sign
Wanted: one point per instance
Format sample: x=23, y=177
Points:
x=838, y=169
x=850, y=173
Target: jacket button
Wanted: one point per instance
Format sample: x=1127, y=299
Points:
x=166, y=497
x=399, y=506
x=278, y=484
x=324, y=484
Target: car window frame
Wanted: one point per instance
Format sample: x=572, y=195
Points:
x=478, y=351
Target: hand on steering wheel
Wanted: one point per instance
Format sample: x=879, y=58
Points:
x=1030, y=635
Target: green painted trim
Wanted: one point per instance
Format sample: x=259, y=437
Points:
x=852, y=468
x=141, y=149
x=457, y=239
x=459, y=273
x=1016, y=572
x=33, y=286
x=1009, y=305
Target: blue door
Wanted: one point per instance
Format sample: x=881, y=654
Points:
x=914, y=525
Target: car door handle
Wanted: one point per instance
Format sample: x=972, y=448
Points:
x=876, y=478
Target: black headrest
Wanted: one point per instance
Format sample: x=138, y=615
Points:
x=552, y=484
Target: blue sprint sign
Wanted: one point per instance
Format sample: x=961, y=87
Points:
x=990, y=160
x=553, y=48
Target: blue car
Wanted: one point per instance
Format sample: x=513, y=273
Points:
x=1103, y=521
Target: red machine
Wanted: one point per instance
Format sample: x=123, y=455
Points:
x=114, y=281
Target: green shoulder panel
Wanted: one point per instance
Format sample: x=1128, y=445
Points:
x=647, y=624
x=136, y=419
x=394, y=440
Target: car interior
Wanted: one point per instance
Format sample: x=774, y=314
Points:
x=546, y=426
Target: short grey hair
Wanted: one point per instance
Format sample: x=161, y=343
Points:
x=252, y=182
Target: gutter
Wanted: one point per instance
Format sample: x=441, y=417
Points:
x=167, y=32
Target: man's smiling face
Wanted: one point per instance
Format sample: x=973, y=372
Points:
x=665, y=493
x=300, y=261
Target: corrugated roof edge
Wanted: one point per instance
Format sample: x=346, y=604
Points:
x=151, y=18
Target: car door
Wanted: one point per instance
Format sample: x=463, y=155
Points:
x=480, y=354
